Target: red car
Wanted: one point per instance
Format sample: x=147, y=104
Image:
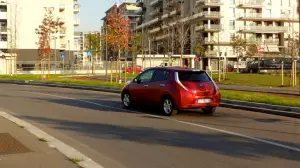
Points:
x=138, y=69
x=173, y=89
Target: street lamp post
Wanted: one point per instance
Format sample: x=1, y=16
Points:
x=54, y=38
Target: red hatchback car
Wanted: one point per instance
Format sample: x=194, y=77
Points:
x=173, y=89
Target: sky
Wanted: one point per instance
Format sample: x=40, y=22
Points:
x=91, y=13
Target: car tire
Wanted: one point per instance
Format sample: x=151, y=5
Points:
x=209, y=110
x=126, y=100
x=168, y=107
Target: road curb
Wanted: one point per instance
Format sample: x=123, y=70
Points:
x=52, y=142
x=236, y=104
x=262, y=110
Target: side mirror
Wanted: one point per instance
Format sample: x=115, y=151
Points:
x=139, y=81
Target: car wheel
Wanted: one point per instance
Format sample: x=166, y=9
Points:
x=126, y=99
x=168, y=107
x=209, y=110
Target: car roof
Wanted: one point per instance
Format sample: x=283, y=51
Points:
x=176, y=69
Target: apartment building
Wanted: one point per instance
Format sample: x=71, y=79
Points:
x=82, y=45
x=266, y=23
x=19, y=20
x=129, y=11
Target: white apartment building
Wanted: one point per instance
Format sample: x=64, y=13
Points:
x=23, y=17
x=266, y=23
x=81, y=46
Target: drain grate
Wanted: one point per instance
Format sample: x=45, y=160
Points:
x=9, y=145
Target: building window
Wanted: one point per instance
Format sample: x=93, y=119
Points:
x=232, y=12
x=268, y=13
x=269, y=2
x=232, y=25
x=232, y=2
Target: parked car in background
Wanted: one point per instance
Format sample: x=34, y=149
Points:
x=138, y=69
x=172, y=89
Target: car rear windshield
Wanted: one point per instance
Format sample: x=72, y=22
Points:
x=193, y=76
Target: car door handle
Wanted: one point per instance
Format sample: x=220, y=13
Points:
x=162, y=85
x=146, y=85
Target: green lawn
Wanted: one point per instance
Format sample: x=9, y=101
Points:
x=128, y=75
x=261, y=98
x=254, y=80
x=60, y=79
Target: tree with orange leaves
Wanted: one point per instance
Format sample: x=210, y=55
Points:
x=118, y=32
x=49, y=26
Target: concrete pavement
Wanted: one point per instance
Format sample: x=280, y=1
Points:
x=20, y=149
x=95, y=124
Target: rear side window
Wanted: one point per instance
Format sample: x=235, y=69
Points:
x=160, y=75
x=193, y=77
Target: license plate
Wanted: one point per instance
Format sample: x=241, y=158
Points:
x=203, y=101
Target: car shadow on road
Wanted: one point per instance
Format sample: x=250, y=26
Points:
x=219, y=143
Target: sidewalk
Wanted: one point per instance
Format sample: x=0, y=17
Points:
x=21, y=149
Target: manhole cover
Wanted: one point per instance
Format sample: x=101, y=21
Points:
x=9, y=145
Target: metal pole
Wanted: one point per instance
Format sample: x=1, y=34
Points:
x=55, y=55
x=106, y=52
x=150, y=51
x=298, y=41
x=63, y=65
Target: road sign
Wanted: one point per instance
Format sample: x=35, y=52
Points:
x=89, y=52
x=62, y=55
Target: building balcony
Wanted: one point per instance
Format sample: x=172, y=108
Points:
x=3, y=15
x=209, y=28
x=251, y=4
x=210, y=41
x=62, y=7
x=3, y=44
x=263, y=41
x=155, y=30
x=76, y=8
x=263, y=29
x=165, y=36
x=76, y=22
x=211, y=53
x=208, y=3
x=156, y=12
x=262, y=17
x=156, y=2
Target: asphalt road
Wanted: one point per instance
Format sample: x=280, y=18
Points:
x=96, y=124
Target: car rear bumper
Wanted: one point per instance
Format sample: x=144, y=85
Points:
x=193, y=104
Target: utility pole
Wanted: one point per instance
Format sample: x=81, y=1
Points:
x=55, y=54
x=106, y=57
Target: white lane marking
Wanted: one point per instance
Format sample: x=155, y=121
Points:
x=179, y=121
